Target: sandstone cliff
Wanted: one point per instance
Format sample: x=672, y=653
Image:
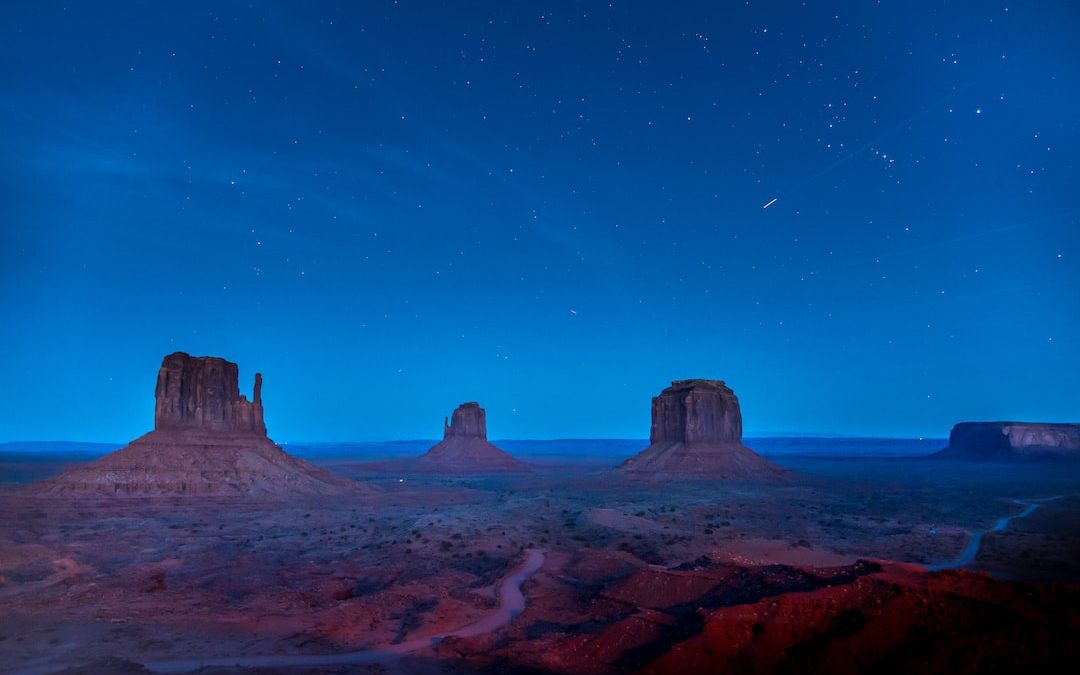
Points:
x=201, y=392
x=1012, y=440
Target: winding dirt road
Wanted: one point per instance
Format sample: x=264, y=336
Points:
x=967, y=556
x=511, y=603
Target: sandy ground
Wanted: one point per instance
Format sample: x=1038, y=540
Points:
x=510, y=603
x=151, y=581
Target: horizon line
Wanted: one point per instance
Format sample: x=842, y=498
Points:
x=755, y=435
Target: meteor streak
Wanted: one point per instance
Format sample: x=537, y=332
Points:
x=770, y=203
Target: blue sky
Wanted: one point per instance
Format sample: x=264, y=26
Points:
x=553, y=209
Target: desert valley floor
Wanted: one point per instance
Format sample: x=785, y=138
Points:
x=821, y=570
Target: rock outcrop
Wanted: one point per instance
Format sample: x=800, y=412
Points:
x=468, y=421
x=465, y=447
x=201, y=392
x=208, y=439
x=1012, y=440
x=697, y=433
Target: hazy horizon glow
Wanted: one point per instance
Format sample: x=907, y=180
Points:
x=863, y=217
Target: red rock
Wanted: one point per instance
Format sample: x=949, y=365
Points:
x=201, y=392
x=697, y=432
x=208, y=439
x=465, y=447
x=896, y=620
x=866, y=617
x=468, y=421
x=657, y=588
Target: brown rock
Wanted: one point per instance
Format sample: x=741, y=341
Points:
x=468, y=421
x=1012, y=440
x=201, y=392
x=208, y=439
x=697, y=432
x=465, y=447
x=696, y=411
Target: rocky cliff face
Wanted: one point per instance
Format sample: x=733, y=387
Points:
x=696, y=411
x=697, y=432
x=468, y=421
x=201, y=392
x=1012, y=440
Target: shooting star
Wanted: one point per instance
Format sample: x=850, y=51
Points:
x=770, y=203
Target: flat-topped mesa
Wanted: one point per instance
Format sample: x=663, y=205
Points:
x=696, y=411
x=467, y=421
x=1012, y=440
x=201, y=392
x=697, y=433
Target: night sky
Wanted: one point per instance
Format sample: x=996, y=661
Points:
x=865, y=217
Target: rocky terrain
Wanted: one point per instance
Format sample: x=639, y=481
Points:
x=697, y=432
x=460, y=562
x=826, y=571
x=997, y=441
x=208, y=439
x=604, y=615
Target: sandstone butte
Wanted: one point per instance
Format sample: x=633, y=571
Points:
x=208, y=439
x=697, y=433
x=465, y=447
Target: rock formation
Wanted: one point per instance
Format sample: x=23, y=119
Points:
x=465, y=447
x=1012, y=440
x=697, y=432
x=208, y=439
x=468, y=421
x=201, y=392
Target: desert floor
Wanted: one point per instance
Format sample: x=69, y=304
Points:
x=113, y=584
